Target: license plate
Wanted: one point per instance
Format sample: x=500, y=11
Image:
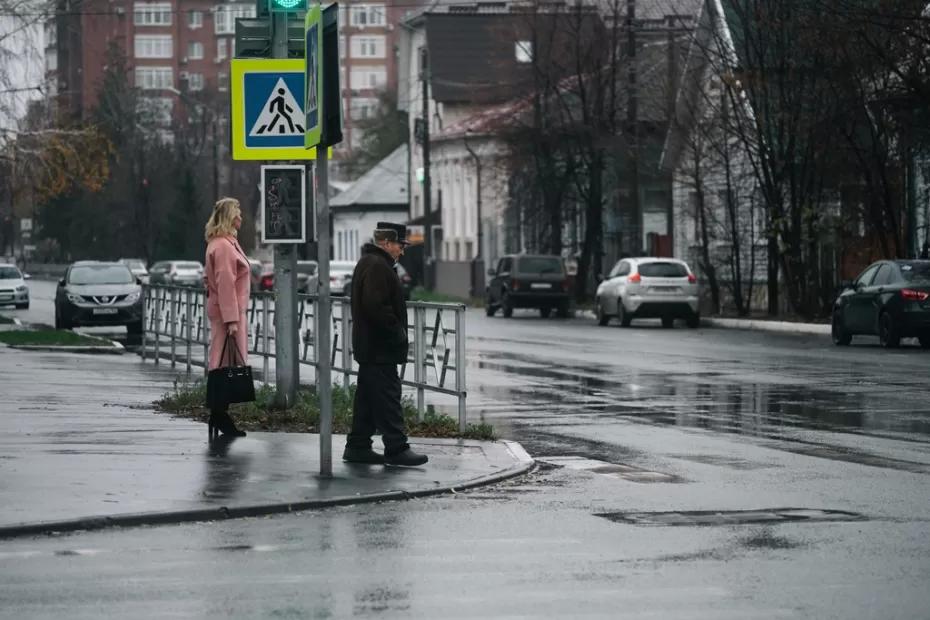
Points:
x=105, y=310
x=665, y=290
x=540, y=285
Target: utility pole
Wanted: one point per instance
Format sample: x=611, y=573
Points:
x=427, y=189
x=287, y=371
x=632, y=116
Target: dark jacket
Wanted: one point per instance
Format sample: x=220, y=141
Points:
x=379, y=313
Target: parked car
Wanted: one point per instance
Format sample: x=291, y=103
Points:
x=636, y=288
x=13, y=288
x=177, y=273
x=528, y=281
x=340, y=277
x=98, y=293
x=137, y=267
x=891, y=299
x=406, y=282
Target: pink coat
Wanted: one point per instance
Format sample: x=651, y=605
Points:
x=228, y=281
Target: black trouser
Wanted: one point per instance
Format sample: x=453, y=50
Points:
x=377, y=408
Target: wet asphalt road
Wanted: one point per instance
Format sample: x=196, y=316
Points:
x=669, y=460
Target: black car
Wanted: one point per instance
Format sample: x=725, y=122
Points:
x=98, y=293
x=891, y=298
x=528, y=281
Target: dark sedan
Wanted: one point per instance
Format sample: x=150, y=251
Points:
x=98, y=293
x=891, y=299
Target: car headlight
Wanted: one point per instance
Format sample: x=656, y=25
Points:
x=75, y=299
x=21, y=288
x=133, y=297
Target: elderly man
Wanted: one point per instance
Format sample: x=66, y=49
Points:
x=379, y=340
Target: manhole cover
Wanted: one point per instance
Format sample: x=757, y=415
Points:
x=731, y=517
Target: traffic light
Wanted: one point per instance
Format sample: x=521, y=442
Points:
x=331, y=129
x=265, y=7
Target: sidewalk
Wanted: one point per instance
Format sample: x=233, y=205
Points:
x=82, y=449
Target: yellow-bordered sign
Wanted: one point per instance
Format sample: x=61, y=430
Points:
x=267, y=115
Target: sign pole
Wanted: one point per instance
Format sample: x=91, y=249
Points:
x=325, y=311
x=285, y=280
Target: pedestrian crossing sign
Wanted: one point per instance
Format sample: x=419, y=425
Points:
x=266, y=112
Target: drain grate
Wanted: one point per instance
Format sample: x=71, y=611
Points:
x=626, y=472
x=731, y=517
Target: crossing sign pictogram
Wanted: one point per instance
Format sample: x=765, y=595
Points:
x=267, y=116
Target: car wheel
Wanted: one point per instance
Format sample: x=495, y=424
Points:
x=489, y=308
x=668, y=322
x=888, y=334
x=545, y=312
x=841, y=337
x=924, y=340
x=134, y=328
x=623, y=315
x=565, y=310
x=693, y=321
x=602, y=317
x=506, y=307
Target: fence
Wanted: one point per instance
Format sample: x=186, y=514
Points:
x=174, y=316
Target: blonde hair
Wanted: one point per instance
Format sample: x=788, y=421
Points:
x=221, y=220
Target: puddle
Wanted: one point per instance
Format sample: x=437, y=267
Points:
x=731, y=517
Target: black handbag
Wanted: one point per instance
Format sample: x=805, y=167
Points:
x=230, y=384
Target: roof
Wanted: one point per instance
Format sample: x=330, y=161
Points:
x=385, y=184
x=473, y=56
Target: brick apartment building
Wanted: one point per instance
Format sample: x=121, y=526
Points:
x=178, y=50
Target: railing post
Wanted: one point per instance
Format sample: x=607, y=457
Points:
x=460, y=364
x=189, y=320
x=145, y=322
x=346, y=310
x=419, y=353
x=157, y=324
x=265, y=311
x=173, y=317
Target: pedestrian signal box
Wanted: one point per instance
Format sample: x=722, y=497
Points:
x=284, y=204
x=322, y=104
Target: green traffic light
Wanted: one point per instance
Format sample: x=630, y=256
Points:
x=288, y=5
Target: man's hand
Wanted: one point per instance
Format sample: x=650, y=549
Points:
x=232, y=328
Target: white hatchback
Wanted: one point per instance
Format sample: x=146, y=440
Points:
x=663, y=288
x=13, y=288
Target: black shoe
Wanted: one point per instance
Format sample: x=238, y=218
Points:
x=407, y=458
x=362, y=455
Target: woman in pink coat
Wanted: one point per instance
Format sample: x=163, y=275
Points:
x=226, y=277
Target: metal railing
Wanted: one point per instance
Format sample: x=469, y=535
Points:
x=175, y=316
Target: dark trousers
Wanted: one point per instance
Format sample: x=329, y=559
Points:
x=377, y=408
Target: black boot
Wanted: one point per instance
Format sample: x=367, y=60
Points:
x=224, y=424
x=362, y=455
x=407, y=458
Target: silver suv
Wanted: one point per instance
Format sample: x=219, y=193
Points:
x=636, y=288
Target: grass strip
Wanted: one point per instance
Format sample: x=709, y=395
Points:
x=51, y=337
x=186, y=399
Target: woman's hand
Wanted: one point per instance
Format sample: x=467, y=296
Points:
x=232, y=328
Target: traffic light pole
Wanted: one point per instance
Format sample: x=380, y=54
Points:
x=287, y=369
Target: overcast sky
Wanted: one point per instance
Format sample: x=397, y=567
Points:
x=22, y=65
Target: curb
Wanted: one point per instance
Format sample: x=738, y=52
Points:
x=784, y=327
x=115, y=349
x=524, y=463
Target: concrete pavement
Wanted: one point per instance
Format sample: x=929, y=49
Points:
x=82, y=449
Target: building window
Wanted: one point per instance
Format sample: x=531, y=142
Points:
x=151, y=14
x=224, y=19
x=160, y=109
x=195, y=81
x=362, y=15
x=154, y=46
x=222, y=81
x=195, y=50
x=361, y=79
x=342, y=46
x=367, y=47
x=154, y=78
x=362, y=107
x=524, y=51
x=195, y=19
x=221, y=49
